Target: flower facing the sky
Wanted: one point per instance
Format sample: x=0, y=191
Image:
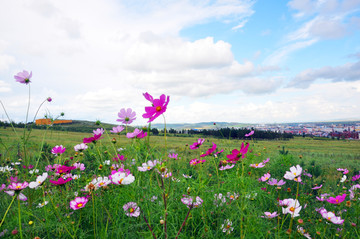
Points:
x=58, y=150
x=17, y=187
x=39, y=180
x=291, y=206
x=190, y=202
x=265, y=177
x=236, y=154
x=131, y=209
x=227, y=226
x=78, y=202
x=336, y=200
x=197, y=144
x=126, y=116
x=294, y=174
x=117, y=129
x=23, y=77
x=158, y=107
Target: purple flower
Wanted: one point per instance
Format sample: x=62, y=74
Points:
x=265, y=177
x=126, y=116
x=250, y=133
x=58, y=150
x=49, y=99
x=318, y=187
x=148, y=97
x=134, y=134
x=189, y=201
x=23, y=77
x=173, y=156
x=274, y=182
x=99, y=131
x=117, y=129
x=78, y=202
x=158, y=107
x=131, y=209
x=226, y=167
x=80, y=166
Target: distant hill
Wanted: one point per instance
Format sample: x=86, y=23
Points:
x=201, y=125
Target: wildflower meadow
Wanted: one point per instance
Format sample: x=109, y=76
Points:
x=99, y=188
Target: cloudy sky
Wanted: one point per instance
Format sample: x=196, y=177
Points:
x=218, y=60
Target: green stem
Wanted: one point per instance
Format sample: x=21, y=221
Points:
x=2, y=221
x=94, y=218
x=26, y=119
x=21, y=236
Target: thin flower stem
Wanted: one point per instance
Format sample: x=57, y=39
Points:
x=94, y=218
x=147, y=223
x=26, y=119
x=9, y=119
x=183, y=224
x=21, y=236
x=2, y=221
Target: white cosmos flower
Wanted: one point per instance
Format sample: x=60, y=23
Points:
x=343, y=179
x=39, y=180
x=121, y=178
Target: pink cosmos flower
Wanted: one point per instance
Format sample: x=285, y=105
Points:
x=197, y=144
x=337, y=200
x=58, y=150
x=257, y=165
x=266, y=161
x=148, y=97
x=189, y=201
x=119, y=157
x=80, y=166
x=322, y=197
x=126, y=116
x=23, y=77
x=344, y=170
x=78, y=202
x=99, y=131
x=356, y=177
x=236, y=154
x=330, y=216
x=65, y=169
x=226, y=167
x=158, y=107
x=133, y=134
x=317, y=187
x=196, y=161
x=117, y=129
x=270, y=215
x=2, y=187
x=141, y=135
x=274, y=182
x=60, y=181
x=250, y=133
x=148, y=166
x=265, y=177
x=211, y=151
x=80, y=147
x=187, y=176
x=131, y=209
x=173, y=156
x=93, y=139
x=18, y=186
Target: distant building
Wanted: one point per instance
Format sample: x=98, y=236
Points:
x=48, y=122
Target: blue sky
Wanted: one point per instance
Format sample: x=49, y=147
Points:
x=236, y=61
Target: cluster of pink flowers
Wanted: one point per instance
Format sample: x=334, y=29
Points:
x=193, y=162
x=136, y=134
x=344, y=170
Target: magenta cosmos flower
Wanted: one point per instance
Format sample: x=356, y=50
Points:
x=78, y=202
x=236, y=154
x=211, y=151
x=158, y=107
x=336, y=200
x=93, y=139
x=18, y=186
x=126, y=116
x=60, y=181
x=131, y=209
x=197, y=144
x=23, y=77
x=58, y=150
x=249, y=134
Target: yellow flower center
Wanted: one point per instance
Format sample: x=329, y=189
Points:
x=120, y=181
x=148, y=167
x=227, y=226
x=231, y=197
x=158, y=108
x=292, y=209
x=102, y=183
x=18, y=187
x=79, y=205
x=131, y=210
